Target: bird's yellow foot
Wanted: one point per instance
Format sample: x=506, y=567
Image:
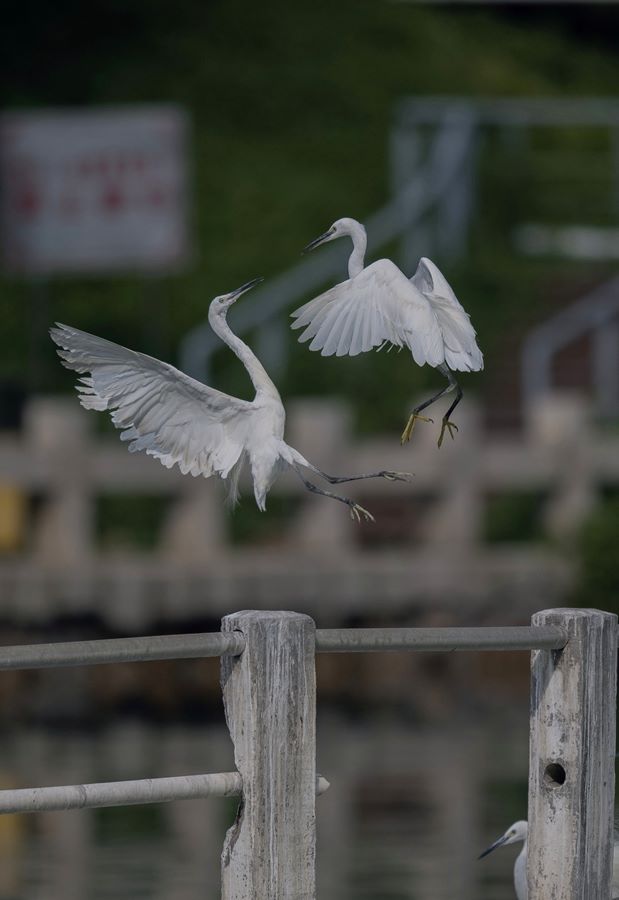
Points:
x=406, y=434
x=358, y=512
x=450, y=426
x=397, y=476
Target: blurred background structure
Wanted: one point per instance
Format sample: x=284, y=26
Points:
x=147, y=165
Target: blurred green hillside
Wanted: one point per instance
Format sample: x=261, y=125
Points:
x=292, y=105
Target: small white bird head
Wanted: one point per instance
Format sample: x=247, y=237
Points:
x=340, y=228
x=220, y=305
x=515, y=833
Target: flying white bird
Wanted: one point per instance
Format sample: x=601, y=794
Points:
x=518, y=832
x=379, y=305
x=183, y=422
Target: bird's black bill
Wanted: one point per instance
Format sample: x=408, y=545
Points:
x=317, y=242
x=492, y=847
x=245, y=287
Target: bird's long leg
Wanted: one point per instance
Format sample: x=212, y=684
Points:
x=389, y=476
x=446, y=423
x=406, y=434
x=357, y=512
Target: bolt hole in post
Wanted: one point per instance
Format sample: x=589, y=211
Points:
x=554, y=775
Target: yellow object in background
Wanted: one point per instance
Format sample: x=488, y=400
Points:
x=12, y=518
x=13, y=836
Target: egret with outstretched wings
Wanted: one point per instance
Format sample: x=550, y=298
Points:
x=379, y=305
x=181, y=421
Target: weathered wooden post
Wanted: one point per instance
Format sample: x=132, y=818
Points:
x=572, y=764
x=270, y=700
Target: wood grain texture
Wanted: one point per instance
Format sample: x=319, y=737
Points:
x=270, y=701
x=573, y=712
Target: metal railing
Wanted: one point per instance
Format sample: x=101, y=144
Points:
x=596, y=314
x=328, y=640
x=268, y=684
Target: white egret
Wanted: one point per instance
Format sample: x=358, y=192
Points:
x=379, y=305
x=514, y=834
x=181, y=421
x=518, y=832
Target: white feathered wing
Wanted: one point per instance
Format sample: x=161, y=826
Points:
x=164, y=412
x=381, y=304
x=377, y=305
x=461, y=351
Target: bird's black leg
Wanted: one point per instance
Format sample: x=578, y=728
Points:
x=389, y=476
x=356, y=511
x=406, y=434
x=446, y=423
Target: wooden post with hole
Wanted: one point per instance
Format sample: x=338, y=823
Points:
x=270, y=701
x=572, y=764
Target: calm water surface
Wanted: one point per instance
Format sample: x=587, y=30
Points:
x=409, y=810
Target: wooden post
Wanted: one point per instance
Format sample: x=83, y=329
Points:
x=270, y=701
x=571, y=763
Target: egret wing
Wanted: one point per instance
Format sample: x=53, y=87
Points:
x=160, y=410
x=461, y=350
x=380, y=304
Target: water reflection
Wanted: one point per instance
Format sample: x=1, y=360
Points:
x=409, y=809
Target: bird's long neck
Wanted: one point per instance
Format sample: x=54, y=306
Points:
x=256, y=371
x=359, y=238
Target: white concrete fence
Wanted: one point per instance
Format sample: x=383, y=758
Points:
x=268, y=683
x=561, y=453
x=427, y=545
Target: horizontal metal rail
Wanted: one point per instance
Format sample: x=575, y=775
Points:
x=359, y=640
x=540, y=111
x=126, y=793
x=330, y=640
x=114, y=650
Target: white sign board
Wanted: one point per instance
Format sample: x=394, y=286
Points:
x=94, y=191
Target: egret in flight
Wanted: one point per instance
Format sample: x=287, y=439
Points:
x=379, y=305
x=183, y=422
x=518, y=832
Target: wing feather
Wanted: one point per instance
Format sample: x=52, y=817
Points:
x=461, y=350
x=380, y=304
x=344, y=345
x=158, y=408
x=356, y=340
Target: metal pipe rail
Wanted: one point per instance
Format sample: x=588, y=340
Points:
x=126, y=793
x=115, y=650
x=538, y=111
x=328, y=640
x=360, y=640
